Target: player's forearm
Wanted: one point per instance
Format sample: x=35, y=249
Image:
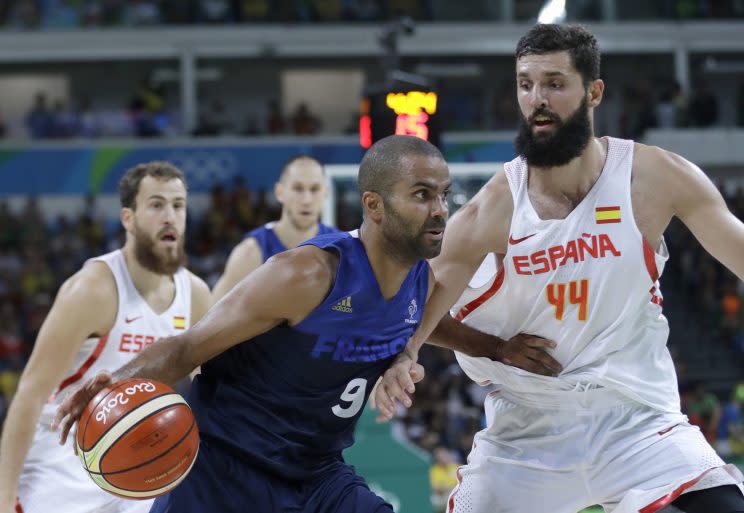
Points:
x=452, y=334
x=167, y=361
x=443, y=296
x=18, y=435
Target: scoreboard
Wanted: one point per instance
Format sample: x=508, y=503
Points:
x=401, y=112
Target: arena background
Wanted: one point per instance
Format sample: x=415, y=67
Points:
x=229, y=89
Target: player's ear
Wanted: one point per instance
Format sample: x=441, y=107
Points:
x=279, y=192
x=595, y=92
x=374, y=207
x=126, y=215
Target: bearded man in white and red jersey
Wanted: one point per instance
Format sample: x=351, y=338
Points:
x=578, y=223
x=104, y=315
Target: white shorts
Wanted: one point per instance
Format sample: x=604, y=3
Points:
x=565, y=451
x=53, y=480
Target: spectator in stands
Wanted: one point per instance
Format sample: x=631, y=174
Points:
x=703, y=109
x=703, y=410
x=305, y=122
x=680, y=105
x=274, y=119
x=88, y=121
x=731, y=428
x=443, y=478
x=3, y=128
x=39, y=119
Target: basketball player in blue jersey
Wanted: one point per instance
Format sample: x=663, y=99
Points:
x=301, y=190
x=290, y=354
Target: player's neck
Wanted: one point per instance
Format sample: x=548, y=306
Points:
x=389, y=269
x=575, y=178
x=147, y=283
x=289, y=235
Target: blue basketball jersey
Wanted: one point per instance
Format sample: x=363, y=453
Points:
x=288, y=400
x=270, y=244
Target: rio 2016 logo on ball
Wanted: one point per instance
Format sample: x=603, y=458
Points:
x=137, y=439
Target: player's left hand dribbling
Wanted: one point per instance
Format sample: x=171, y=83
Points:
x=72, y=407
x=396, y=384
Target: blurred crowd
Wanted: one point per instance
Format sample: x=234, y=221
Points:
x=55, y=14
x=37, y=256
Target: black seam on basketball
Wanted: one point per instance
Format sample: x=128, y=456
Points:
x=85, y=429
x=104, y=476
x=117, y=420
x=169, y=449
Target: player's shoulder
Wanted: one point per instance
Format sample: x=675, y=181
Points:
x=493, y=200
x=306, y=266
x=247, y=247
x=199, y=288
x=657, y=162
x=95, y=280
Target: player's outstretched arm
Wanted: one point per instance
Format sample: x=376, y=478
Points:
x=68, y=324
x=528, y=352
x=243, y=259
x=478, y=228
x=285, y=289
x=700, y=206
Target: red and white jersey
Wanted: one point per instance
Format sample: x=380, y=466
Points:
x=136, y=327
x=589, y=282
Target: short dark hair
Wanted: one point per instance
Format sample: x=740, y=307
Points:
x=297, y=158
x=130, y=182
x=581, y=45
x=378, y=171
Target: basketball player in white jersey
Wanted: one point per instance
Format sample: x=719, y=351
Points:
x=103, y=316
x=578, y=222
x=301, y=190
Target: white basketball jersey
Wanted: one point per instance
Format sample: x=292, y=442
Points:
x=589, y=282
x=136, y=327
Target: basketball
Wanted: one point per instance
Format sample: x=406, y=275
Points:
x=137, y=439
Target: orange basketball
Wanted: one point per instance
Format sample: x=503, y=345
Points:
x=137, y=439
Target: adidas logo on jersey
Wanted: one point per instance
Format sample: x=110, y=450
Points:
x=343, y=306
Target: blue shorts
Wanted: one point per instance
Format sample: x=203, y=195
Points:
x=221, y=482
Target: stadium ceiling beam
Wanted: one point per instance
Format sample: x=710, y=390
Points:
x=429, y=39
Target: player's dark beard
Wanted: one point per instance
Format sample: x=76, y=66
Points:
x=144, y=252
x=568, y=140
x=408, y=241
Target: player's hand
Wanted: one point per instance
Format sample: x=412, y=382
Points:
x=69, y=412
x=528, y=352
x=397, y=384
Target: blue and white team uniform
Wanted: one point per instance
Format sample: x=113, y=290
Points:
x=270, y=244
x=275, y=412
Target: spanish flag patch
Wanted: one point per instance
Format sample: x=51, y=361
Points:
x=179, y=323
x=604, y=215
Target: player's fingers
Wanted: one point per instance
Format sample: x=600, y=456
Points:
x=417, y=372
x=396, y=392
x=384, y=404
x=547, y=361
x=403, y=376
x=373, y=394
x=540, y=342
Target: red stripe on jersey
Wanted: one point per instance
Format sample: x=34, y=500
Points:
x=85, y=366
x=606, y=209
x=475, y=303
x=649, y=255
x=451, y=502
x=671, y=496
x=607, y=221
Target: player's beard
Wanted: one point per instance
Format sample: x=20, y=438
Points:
x=409, y=242
x=567, y=141
x=145, y=253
